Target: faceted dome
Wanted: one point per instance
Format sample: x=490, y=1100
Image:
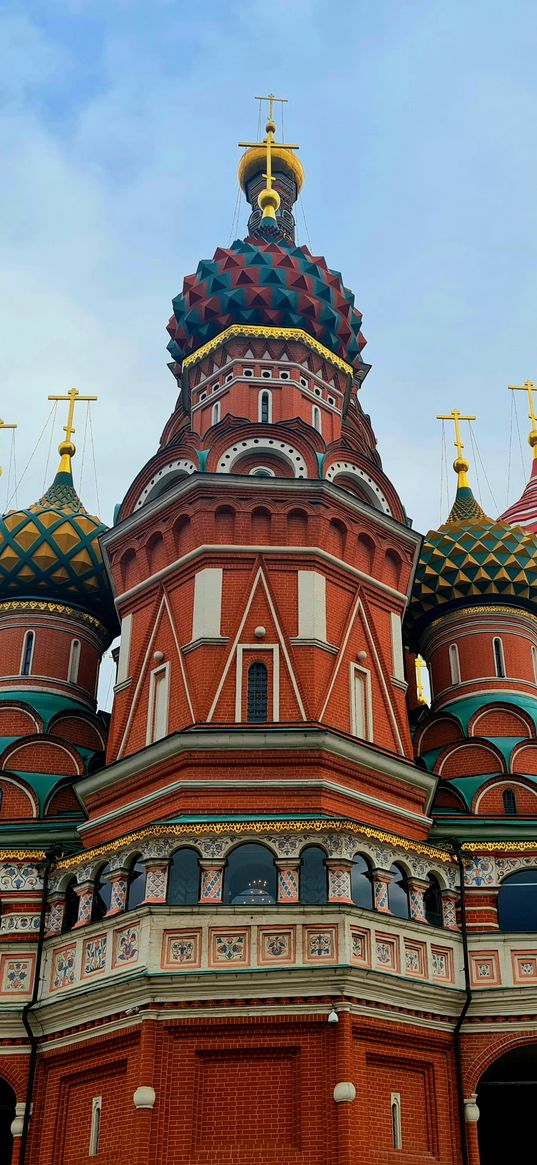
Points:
x=51, y=551
x=472, y=557
x=273, y=284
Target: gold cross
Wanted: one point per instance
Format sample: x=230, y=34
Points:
x=460, y=464
x=4, y=426
x=269, y=199
x=421, y=666
x=530, y=389
x=66, y=449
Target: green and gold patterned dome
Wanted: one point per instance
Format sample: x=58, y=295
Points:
x=50, y=551
x=472, y=557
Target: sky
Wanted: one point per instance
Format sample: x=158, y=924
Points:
x=119, y=123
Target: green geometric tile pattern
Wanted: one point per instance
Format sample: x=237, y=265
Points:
x=471, y=556
x=50, y=550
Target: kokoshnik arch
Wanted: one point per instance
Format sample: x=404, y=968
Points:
x=275, y=907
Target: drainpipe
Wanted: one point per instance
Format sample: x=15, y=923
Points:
x=50, y=858
x=456, y=845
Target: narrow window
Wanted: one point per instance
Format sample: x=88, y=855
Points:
x=157, y=721
x=454, y=664
x=257, y=711
x=361, y=717
x=432, y=901
x=27, y=653
x=216, y=413
x=96, y=1106
x=534, y=662
x=265, y=408
x=74, y=660
x=509, y=803
x=316, y=418
x=397, y=1140
x=499, y=663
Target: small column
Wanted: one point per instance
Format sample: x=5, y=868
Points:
x=471, y=1116
x=156, y=879
x=212, y=879
x=56, y=904
x=339, y=880
x=416, y=895
x=17, y=1125
x=288, y=879
x=381, y=880
x=449, y=910
x=119, y=883
x=85, y=903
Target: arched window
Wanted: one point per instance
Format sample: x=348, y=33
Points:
x=316, y=418
x=70, y=908
x=313, y=876
x=216, y=413
x=499, y=662
x=7, y=1115
x=432, y=901
x=398, y=893
x=27, y=653
x=74, y=661
x=517, y=902
x=184, y=878
x=102, y=894
x=509, y=803
x=265, y=407
x=257, y=710
x=362, y=883
x=250, y=878
x=136, y=884
x=454, y=665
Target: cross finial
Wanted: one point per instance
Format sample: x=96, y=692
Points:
x=421, y=666
x=530, y=388
x=460, y=463
x=66, y=449
x=4, y=426
x=269, y=199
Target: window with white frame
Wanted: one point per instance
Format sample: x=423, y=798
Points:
x=216, y=413
x=397, y=1137
x=316, y=418
x=95, y=1128
x=74, y=662
x=361, y=709
x=265, y=407
x=157, y=717
x=499, y=661
x=454, y=664
x=27, y=653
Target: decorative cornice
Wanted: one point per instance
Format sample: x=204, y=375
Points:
x=318, y=826
x=54, y=608
x=478, y=847
x=268, y=333
x=484, y=610
x=22, y=855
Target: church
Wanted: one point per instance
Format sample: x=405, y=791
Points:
x=275, y=907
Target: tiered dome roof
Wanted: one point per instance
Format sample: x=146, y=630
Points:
x=472, y=557
x=274, y=284
x=51, y=551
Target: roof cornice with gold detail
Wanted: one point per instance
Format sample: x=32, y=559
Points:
x=56, y=609
x=267, y=332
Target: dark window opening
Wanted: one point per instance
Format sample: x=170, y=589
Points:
x=70, y=908
x=257, y=711
x=184, y=878
x=136, y=885
x=27, y=654
x=102, y=895
x=517, y=903
x=432, y=901
x=498, y=658
x=264, y=408
x=250, y=878
x=362, y=883
x=313, y=876
x=398, y=900
x=509, y=803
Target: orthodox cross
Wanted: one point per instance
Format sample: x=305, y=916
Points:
x=4, y=426
x=421, y=666
x=460, y=464
x=66, y=448
x=530, y=389
x=269, y=205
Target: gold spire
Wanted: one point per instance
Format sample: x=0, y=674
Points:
x=530, y=389
x=460, y=463
x=4, y=426
x=66, y=449
x=269, y=199
x=421, y=666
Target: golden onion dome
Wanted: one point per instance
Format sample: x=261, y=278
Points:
x=254, y=161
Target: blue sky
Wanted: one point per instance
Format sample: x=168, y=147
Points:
x=118, y=131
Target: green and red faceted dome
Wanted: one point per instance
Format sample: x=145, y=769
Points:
x=270, y=284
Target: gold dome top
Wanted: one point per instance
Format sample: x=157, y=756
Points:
x=255, y=159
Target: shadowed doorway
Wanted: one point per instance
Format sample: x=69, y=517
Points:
x=7, y=1113
x=507, y=1100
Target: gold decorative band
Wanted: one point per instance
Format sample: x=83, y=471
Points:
x=55, y=608
x=268, y=333
x=22, y=855
x=489, y=847
x=486, y=609
x=256, y=827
